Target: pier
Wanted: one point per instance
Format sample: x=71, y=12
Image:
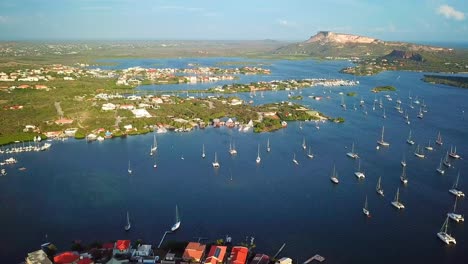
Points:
x=316, y=257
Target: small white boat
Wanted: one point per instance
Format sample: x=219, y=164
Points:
x=447, y=161
x=359, y=174
x=409, y=140
x=453, y=215
x=429, y=147
x=304, y=146
x=128, y=225
x=379, y=188
x=403, y=177
x=258, y=159
x=215, y=163
x=129, y=168
x=453, y=153
x=365, y=209
x=439, y=169
x=382, y=141
x=334, y=176
x=309, y=154
x=403, y=161
x=396, y=203
x=203, y=151
x=444, y=236
x=420, y=114
x=177, y=220
x=352, y=154
x=294, y=160
x=268, y=145
x=419, y=152
x=232, y=149
x=154, y=147
x=439, y=139
x=384, y=115
x=455, y=191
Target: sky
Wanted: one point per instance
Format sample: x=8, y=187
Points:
x=294, y=20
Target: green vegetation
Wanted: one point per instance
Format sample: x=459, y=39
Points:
x=296, y=97
x=267, y=124
x=351, y=94
x=457, y=81
x=338, y=120
x=383, y=88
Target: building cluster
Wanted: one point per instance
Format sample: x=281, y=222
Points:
x=122, y=251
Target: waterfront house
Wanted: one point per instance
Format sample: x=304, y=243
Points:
x=139, y=113
x=193, y=252
x=70, y=132
x=67, y=257
x=144, y=251
x=123, y=247
x=53, y=134
x=260, y=259
x=216, y=255
x=238, y=255
x=284, y=261
x=38, y=257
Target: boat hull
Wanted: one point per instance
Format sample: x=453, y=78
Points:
x=398, y=205
x=446, y=238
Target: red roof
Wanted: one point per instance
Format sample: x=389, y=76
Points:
x=216, y=254
x=108, y=245
x=122, y=244
x=85, y=261
x=239, y=255
x=66, y=257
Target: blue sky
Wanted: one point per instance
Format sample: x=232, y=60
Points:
x=406, y=20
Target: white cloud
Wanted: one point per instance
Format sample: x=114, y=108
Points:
x=450, y=12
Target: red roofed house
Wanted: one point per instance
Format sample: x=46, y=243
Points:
x=63, y=121
x=216, y=254
x=23, y=86
x=67, y=257
x=122, y=246
x=238, y=255
x=193, y=252
x=41, y=86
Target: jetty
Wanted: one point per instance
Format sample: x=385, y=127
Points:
x=316, y=257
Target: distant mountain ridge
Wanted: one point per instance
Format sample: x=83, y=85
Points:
x=331, y=44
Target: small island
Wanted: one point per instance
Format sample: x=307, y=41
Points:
x=456, y=81
x=385, y=88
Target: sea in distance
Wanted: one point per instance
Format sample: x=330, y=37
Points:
x=81, y=191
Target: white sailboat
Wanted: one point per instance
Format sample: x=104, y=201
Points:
x=304, y=146
x=309, y=154
x=177, y=220
x=455, y=191
x=419, y=152
x=379, y=188
x=203, y=151
x=396, y=203
x=232, y=149
x=429, y=147
x=352, y=154
x=439, y=139
x=439, y=169
x=129, y=168
x=403, y=177
x=382, y=141
x=343, y=103
x=268, y=145
x=453, y=153
x=359, y=174
x=409, y=140
x=403, y=161
x=334, y=176
x=294, y=159
x=154, y=147
x=365, y=209
x=384, y=115
x=128, y=225
x=420, y=114
x=456, y=217
x=215, y=163
x=444, y=236
x=258, y=159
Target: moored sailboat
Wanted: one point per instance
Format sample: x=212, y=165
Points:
x=444, y=236
x=294, y=159
x=258, y=159
x=359, y=174
x=215, y=163
x=309, y=154
x=268, y=145
x=334, y=176
x=439, y=169
x=352, y=154
x=365, y=209
x=129, y=168
x=455, y=191
x=177, y=220
x=382, y=141
x=379, y=188
x=396, y=203
x=453, y=153
x=409, y=140
x=403, y=177
x=439, y=139
x=203, y=151
x=128, y=225
x=419, y=152
x=453, y=215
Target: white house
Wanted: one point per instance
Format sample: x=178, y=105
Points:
x=141, y=113
x=108, y=107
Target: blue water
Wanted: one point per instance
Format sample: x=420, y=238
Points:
x=80, y=190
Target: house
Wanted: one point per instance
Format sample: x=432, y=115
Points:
x=144, y=251
x=193, y=252
x=70, y=132
x=108, y=107
x=238, y=255
x=67, y=78
x=41, y=86
x=38, y=257
x=141, y=113
x=122, y=246
x=127, y=106
x=260, y=259
x=67, y=257
x=63, y=121
x=216, y=254
x=236, y=102
x=284, y=261
x=53, y=134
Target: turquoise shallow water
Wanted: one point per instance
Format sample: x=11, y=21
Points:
x=80, y=190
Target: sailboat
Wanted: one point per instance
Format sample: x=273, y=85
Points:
x=409, y=140
x=411, y=105
x=177, y=220
x=203, y=151
x=453, y=153
x=380, y=103
x=304, y=146
x=384, y=115
x=439, y=169
x=232, y=149
x=439, y=139
x=154, y=147
x=420, y=114
x=419, y=152
x=454, y=215
x=309, y=154
x=379, y=188
x=429, y=147
x=403, y=177
x=403, y=161
x=129, y=169
x=396, y=203
x=334, y=177
x=359, y=174
x=382, y=141
x=268, y=145
x=352, y=154
x=258, y=159
x=343, y=103
x=300, y=124
x=128, y=225
x=365, y=209
x=444, y=236
x=215, y=163
x=455, y=190
x=294, y=159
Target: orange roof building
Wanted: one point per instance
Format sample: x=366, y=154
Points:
x=67, y=257
x=238, y=255
x=122, y=245
x=216, y=254
x=194, y=251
